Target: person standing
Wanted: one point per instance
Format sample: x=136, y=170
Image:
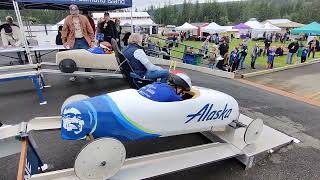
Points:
x=299, y=52
x=125, y=38
x=213, y=55
x=223, y=48
x=243, y=55
x=88, y=14
x=204, y=48
x=118, y=31
x=58, y=37
x=234, y=61
x=313, y=46
x=267, y=44
x=293, y=48
x=271, y=55
x=77, y=32
x=304, y=55
x=108, y=28
x=254, y=55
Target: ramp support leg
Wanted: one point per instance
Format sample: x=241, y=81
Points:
x=246, y=160
x=22, y=161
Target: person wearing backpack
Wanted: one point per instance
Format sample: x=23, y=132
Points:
x=11, y=37
x=10, y=34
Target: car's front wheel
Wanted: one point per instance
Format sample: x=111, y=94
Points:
x=68, y=66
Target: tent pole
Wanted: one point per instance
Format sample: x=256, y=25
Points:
x=131, y=19
x=16, y=9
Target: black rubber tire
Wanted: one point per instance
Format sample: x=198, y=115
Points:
x=68, y=66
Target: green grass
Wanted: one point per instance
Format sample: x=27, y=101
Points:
x=261, y=61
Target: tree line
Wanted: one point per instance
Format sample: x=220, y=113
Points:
x=227, y=13
x=223, y=13
x=36, y=16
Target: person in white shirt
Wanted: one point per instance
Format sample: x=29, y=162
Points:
x=10, y=34
x=11, y=37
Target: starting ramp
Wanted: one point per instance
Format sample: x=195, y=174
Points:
x=230, y=145
x=34, y=76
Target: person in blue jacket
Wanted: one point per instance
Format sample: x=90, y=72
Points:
x=140, y=63
x=172, y=91
x=304, y=55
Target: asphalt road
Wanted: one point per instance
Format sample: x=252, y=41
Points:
x=302, y=81
x=301, y=161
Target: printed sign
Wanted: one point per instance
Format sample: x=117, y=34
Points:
x=33, y=162
x=208, y=113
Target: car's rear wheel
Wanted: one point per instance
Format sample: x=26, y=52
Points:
x=68, y=66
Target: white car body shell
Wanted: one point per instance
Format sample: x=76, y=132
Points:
x=86, y=59
x=169, y=118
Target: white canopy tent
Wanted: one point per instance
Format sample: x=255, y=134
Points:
x=230, y=29
x=268, y=27
x=254, y=24
x=214, y=28
x=186, y=27
x=257, y=29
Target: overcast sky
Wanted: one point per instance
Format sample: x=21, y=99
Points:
x=142, y=4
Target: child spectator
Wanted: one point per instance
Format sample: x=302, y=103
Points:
x=271, y=55
x=234, y=61
x=280, y=51
x=166, y=52
x=213, y=56
x=189, y=49
x=299, y=52
x=304, y=55
x=204, y=48
x=220, y=64
x=189, y=57
x=243, y=55
x=226, y=59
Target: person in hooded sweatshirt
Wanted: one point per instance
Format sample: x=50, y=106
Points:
x=58, y=37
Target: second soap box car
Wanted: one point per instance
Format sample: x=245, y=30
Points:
x=71, y=60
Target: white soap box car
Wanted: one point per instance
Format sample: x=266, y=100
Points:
x=71, y=60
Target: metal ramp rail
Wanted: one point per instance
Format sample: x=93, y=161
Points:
x=147, y=166
x=34, y=76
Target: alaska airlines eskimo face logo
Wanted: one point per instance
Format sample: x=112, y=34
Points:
x=207, y=113
x=72, y=121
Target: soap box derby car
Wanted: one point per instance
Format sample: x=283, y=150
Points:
x=126, y=115
x=71, y=60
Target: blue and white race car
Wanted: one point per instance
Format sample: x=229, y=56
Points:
x=126, y=115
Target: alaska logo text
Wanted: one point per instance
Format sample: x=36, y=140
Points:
x=207, y=113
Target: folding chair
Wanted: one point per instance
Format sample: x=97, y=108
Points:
x=134, y=80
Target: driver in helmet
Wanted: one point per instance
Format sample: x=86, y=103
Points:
x=172, y=91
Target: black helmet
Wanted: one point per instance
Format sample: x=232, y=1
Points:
x=181, y=80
